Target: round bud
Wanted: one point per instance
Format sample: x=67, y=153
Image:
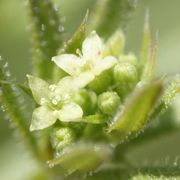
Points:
x=87, y=100
x=131, y=58
x=101, y=82
x=125, y=72
x=109, y=102
x=125, y=76
x=61, y=137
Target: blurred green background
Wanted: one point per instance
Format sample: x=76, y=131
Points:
x=15, y=48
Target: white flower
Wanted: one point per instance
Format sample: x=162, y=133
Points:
x=87, y=65
x=54, y=102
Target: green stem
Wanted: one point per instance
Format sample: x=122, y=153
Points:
x=46, y=36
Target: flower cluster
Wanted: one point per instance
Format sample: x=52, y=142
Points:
x=98, y=78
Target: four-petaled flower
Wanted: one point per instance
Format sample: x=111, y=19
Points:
x=55, y=102
x=89, y=64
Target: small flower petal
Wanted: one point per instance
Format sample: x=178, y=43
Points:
x=104, y=64
x=92, y=47
x=70, y=112
x=83, y=79
x=69, y=63
x=42, y=118
x=39, y=88
x=66, y=84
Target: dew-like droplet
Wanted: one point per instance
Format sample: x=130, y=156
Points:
x=6, y=65
x=8, y=74
x=56, y=100
x=42, y=27
x=3, y=108
x=55, y=6
x=61, y=28
x=51, y=165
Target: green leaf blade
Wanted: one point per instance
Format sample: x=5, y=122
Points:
x=81, y=157
x=148, y=53
x=78, y=37
x=10, y=98
x=132, y=119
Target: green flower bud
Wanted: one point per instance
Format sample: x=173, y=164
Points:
x=115, y=44
x=131, y=58
x=125, y=72
x=61, y=137
x=108, y=102
x=101, y=82
x=125, y=76
x=87, y=100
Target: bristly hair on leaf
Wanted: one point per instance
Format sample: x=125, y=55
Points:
x=46, y=31
x=11, y=100
x=78, y=37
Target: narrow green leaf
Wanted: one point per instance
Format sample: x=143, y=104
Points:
x=109, y=15
x=134, y=115
x=82, y=157
x=25, y=89
x=148, y=53
x=10, y=98
x=75, y=42
x=46, y=36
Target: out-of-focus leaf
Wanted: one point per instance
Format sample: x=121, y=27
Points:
x=109, y=15
x=76, y=41
x=11, y=101
x=115, y=172
x=46, y=36
x=81, y=157
x=134, y=115
x=23, y=87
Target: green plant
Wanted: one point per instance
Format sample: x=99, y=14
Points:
x=92, y=105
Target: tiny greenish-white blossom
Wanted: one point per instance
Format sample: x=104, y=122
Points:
x=90, y=63
x=54, y=102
